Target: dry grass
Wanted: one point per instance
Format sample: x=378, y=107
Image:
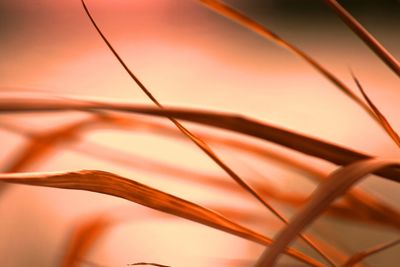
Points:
x=358, y=206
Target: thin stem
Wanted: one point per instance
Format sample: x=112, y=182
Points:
x=365, y=36
x=201, y=144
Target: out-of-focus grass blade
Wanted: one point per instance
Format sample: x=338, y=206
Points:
x=89, y=230
x=199, y=142
x=338, y=183
x=70, y=133
x=364, y=254
x=365, y=36
x=83, y=239
x=233, y=122
x=265, y=188
x=111, y=184
x=238, y=17
x=41, y=145
x=369, y=207
x=131, y=160
x=382, y=120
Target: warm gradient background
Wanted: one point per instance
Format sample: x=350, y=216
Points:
x=188, y=56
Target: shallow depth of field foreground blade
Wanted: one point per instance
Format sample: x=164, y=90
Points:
x=338, y=183
x=233, y=122
x=111, y=184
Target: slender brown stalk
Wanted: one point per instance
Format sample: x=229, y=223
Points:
x=365, y=36
x=340, y=181
x=382, y=120
x=202, y=145
x=266, y=189
x=238, y=17
x=41, y=145
x=233, y=122
x=114, y=185
x=368, y=209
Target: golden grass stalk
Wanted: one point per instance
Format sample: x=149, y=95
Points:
x=228, y=121
x=339, y=182
x=236, y=16
x=382, y=120
x=87, y=233
x=355, y=165
x=365, y=36
x=114, y=185
x=41, y=145
x=202, y=145
x=368, y=208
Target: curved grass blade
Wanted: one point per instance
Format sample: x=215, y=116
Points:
x=69, y=133
x=199, y=143
x=114, y=185
x=233, y=122
x=130, y=160
x=364, y=254
x=382, y=120
x=365, y=36
x=88, y=231
x=339, y=182
x=41, y=145
x=236, y=16
x=368, y=208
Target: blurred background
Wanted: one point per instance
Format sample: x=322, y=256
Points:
x=187, y=56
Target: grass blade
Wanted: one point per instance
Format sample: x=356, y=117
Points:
x=199, y=142
x=339, y=182
x=369, y=252
x=233, y=122
x=236, y=16
x=365, y=36
x=114, y=185
x=83, y=239
x=265, y=188
x=70, y=133
x=367, y=206
x=41, y=145
x=382, y=120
